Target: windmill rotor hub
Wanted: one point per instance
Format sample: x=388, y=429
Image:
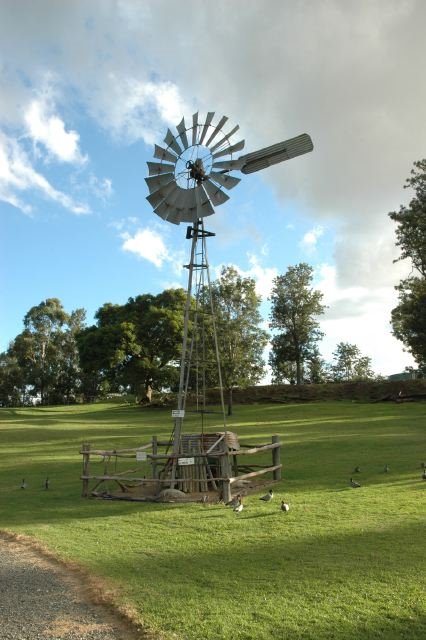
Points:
x=196, y=169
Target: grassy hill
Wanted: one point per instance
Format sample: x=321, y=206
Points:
x=342, y=564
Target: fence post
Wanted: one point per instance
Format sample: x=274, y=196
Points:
x=225, y=472
x=276, y=458
x=154, y=460
x=86, y=463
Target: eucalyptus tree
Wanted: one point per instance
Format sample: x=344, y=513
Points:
x=241, y=339
x=46, y=348
x=296, y=306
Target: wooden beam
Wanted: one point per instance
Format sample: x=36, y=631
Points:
x=148, y=480
x=86, y=462
x=263, y=447
x=276, y=458
x=115, y=452
x=253, y=474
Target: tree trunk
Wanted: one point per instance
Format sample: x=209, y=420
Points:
x=230, y=402
x=298, y=371
x=148, y=390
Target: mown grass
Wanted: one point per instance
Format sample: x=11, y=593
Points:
x=343, y=564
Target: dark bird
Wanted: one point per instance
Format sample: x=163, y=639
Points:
x=23, y=484
x=268, y=497
x=235, y=501
x=46, y=483
x=386, y=468
x=285, y=507
x=354, y=484
x=424, y=474
x=357, y=470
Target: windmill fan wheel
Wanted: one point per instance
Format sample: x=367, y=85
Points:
x=192, y=171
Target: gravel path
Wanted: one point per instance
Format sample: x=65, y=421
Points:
x=42, y=600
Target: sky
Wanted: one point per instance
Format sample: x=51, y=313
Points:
x=88, y=87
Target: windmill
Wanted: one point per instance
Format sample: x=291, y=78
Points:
x=191, y=176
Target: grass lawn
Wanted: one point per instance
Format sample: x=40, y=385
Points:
x=344, y=564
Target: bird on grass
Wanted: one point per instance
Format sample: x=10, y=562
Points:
x=386, y=468
x=23, y=484
x=235, y=501
x=268, y=497
x=285, y=507
x=357, y=469
x=46, y=483
x=424, y=474
x=238, y=507
x=354, y=484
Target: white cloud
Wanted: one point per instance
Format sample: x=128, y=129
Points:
x=263, y=276
x=134, y=109
x=310, y=239
x=17, y=175
x=149, y=244
x=101, y=187
x=365, y=257
x=146, y=244
x=360, y=315
x=45, y=127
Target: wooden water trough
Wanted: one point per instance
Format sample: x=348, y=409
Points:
x=207, y=463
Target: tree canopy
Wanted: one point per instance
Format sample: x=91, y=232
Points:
x=408, y=317
x=350, y=365
x=135, y=345
x=295, y=308
x=46, y=350
x=411, y=221
x=241, y=339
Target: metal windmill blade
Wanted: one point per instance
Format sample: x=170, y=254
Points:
x=182, y=185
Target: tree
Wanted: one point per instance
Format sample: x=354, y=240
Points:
x=135, y=345
x=295, y=306
x=45, y=345
x=408, y=318
x=317, y=371
x=411, y=221
x=241, y=341
x=12, y=384
x=350, y=365
x=69, y=381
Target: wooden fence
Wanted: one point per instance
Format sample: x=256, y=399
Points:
x=215, y=469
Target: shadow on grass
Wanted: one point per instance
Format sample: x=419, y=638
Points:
x=352, y=586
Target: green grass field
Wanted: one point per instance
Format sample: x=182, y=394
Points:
x=344, y=564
